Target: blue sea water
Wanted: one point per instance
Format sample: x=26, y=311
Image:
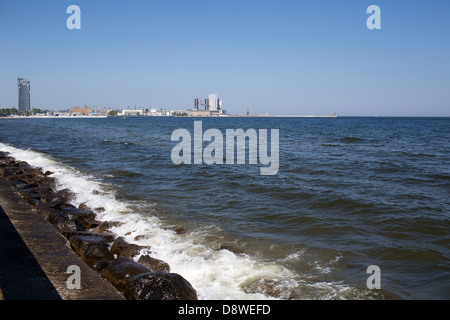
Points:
x=349, y=193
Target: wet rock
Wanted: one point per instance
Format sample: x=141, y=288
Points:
x=30, y=187
x=80, y=242
x=7, y=161
x=120, y=270
x=100, y=266
x=75, y=213
x=11, y=167
x=49, y=180
x=99, y=210
x=83, y=206
x=140, y=237
x=87, y=223
x=105, y=225
x=91, y=248
x=25, y=175
x=109, y=237
x=48, y=173
x=154, y=264
x=38, y=178
x=180, y=230
x=31, y=197
x=65, y=194
x=79, y=225
x=15, y=181
x=124, y=249
x=95, y=253
x=23, y=164
x=46, y=192
x=45, y=211
x=60, y=221
x=58, y=203
x=102, y=227
x=159, y=286
x=15, y=164
x=10, y=172
x=232, y=248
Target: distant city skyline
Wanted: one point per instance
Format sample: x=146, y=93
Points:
x=286, y=57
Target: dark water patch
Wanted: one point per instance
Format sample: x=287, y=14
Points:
x=351, y=140
x=411, y=154
x=124, y=173
x=127, y=143
x=351, y=205
x=443, y=176
x=331, y=145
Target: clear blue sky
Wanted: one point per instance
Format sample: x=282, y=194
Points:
x=279, y=57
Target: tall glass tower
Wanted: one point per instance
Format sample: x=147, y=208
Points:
x=23, y=86
x=212, y=101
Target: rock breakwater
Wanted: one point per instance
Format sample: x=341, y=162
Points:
x=110, y=256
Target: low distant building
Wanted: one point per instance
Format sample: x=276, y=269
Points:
x=205, y=113
x=199, y=113
x=153, y=112
x=133, y=112
x=81, y=111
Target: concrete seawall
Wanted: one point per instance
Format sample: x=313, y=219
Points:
x=35, y=257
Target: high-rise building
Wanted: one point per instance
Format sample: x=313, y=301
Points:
x=23, y=87
x=212, y=99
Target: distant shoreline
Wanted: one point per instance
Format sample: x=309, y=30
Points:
x=224, y=116
x=54, y=117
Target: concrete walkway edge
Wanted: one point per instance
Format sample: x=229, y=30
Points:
x=50, y=250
